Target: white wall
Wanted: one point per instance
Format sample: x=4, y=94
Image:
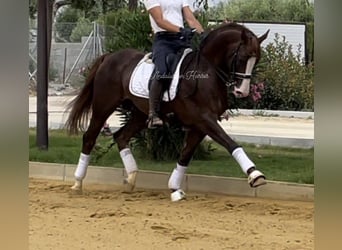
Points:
x=294, y=34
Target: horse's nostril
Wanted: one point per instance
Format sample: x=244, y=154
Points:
x=238, y=93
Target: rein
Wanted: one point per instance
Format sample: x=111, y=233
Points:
x=230, y=78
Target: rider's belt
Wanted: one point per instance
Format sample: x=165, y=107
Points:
x=167, y=34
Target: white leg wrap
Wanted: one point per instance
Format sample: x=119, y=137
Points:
x=243, y=160
x=82, y=167
x=176, y=177
x=128, y=160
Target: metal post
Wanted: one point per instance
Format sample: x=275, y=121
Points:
x=64, y=66
x=42, y=76
x=99, y=41
x=94, y=40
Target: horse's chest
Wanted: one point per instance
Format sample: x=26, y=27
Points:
x=217, y=103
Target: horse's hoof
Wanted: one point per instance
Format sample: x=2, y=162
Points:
x=129, y=182
x=178, y=195
x=128, y=187
x=256, y=179
x=77, y=187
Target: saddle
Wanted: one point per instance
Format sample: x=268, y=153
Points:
x=171, y=63
x=141, y=75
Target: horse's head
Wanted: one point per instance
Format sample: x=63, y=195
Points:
x=234, y=50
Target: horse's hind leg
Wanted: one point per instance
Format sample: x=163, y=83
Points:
x=191, y=141
x=89, y=139
x=135, y=124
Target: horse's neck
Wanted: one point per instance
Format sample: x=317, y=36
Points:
x=216, y=51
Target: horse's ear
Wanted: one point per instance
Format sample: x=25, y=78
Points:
x=263, y=37
x=245, y=36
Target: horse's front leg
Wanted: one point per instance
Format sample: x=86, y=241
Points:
x=192, y=139
x=210, y=126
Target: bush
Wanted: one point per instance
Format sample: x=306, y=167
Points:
x=124, y=29
x=65, y=23
x=163, y=143
x=288, y=82
x=83, y=28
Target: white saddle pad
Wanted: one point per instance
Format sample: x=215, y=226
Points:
x=140, y=77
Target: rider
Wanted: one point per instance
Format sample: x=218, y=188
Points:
x=167, y=22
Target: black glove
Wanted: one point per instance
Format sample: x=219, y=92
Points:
x=187, y=33
x=203, y=36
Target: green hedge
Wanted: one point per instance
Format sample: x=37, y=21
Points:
x=125, y=29
x=288, y=81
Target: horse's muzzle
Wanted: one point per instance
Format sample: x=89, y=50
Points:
x=243, y=89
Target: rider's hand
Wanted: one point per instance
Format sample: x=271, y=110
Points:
x=187, y=33
x=203, y=36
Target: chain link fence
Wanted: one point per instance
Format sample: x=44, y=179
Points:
x=74, y=46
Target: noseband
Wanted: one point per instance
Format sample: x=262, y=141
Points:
x=237, y=75
x=231, y=78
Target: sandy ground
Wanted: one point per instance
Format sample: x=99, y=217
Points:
x=104, y=217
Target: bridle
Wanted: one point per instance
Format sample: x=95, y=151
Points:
x=231, y=78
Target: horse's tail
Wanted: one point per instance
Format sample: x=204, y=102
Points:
x=80, y=107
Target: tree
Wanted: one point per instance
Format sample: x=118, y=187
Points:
x=32, y=8
x=66, y=22
x=132, y=5
x=264, y=10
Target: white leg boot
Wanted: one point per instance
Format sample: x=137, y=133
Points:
x=255, y=178
x=131, y=169
x=81, y=171
x=175, y=182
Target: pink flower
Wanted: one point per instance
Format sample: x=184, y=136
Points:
x=256, y=91
x=261, y=85
x=256, y=96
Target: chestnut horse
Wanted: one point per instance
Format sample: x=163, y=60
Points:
x=223, y=62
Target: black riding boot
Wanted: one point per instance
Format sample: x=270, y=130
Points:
x=154, y=102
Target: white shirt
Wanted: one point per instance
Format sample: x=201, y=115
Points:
x=171, y=10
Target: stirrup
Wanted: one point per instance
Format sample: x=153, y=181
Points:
x=256, y=179
x=154, y=122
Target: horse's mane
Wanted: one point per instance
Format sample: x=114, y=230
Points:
x=223, y=27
